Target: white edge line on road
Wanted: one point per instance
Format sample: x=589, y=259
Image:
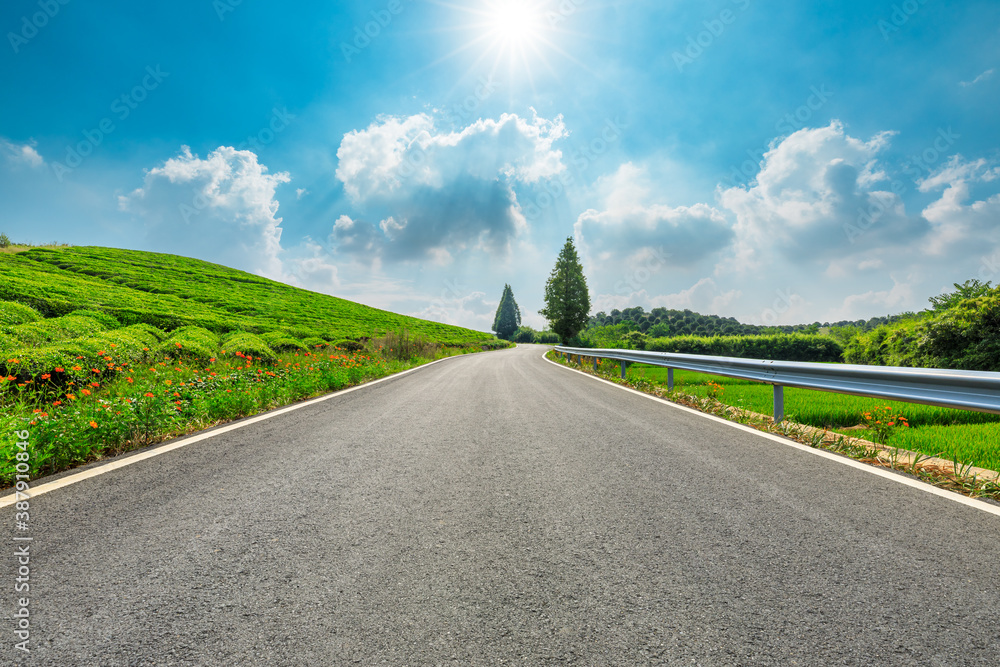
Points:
x=880, y=472
x=68, y=480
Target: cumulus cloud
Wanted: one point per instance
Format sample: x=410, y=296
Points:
x=222, y=207
x=21, y=154
x=442, y=191
x=628, y=229
x=815, y=195
x=960, y=227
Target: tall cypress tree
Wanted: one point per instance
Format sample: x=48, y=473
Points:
x=508, y=317
x=567, y=300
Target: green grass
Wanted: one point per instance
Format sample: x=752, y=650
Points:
x=970, y=437
x=168, y=292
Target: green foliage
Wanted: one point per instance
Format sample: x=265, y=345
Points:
x=567, y=299
x=13, y=314
x=279, y=341
x=547, y=338
x=314, y=342
x=964, y=336
x=169, y=292
x=402, y=346
x=190, y=342
x=88, y=353
x=524, y=334
x=4, y=241
x=777, y=347
x=971, y=289
x=44, y=332
x=108, y=321
x=508, y=317
x=248, y=344
x=350, y=346
x=635, y=340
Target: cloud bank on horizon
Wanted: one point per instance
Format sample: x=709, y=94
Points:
x=417, y=156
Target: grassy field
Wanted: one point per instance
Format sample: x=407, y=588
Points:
x=970, y=437
x=167, y=291
x=105, y=350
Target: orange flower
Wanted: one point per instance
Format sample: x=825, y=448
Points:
x=93, y=424
x=46, y=376
x=59, y=370
x=100, y=353
x=77, y=368
x=85, y=392
x=57, y=404
x=168, y=382
x=71, y=397
x=95, y=385
x=129, y=380
x=145, y=349
x=178, y=345
x=177, y=395
x=148, y=394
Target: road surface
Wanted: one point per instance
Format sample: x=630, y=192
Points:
x=498, y=509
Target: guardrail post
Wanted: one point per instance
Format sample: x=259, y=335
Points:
x=624, y=367
x=595, y=364
x=779, y=403
x=670, y=379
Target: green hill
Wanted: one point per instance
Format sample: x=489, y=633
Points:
x=169, y=292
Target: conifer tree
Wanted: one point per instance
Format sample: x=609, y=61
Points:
x=508, y=317
x=567, y=300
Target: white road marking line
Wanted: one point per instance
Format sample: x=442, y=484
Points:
x=880, y=472
x=7, y=501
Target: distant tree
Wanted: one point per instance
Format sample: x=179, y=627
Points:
x=508, y=317
x=567, y=300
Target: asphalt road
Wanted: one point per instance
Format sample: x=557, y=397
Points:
x=497, y=509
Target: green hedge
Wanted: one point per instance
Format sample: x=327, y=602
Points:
x=130, y=345
x=190, y=342
x=314, y=342
x=109, y=321
x=13, y=314
x=279, y=341
x=56, y=329
x=778, y=347
x=249, y=344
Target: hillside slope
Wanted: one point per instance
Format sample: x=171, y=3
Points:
x=168, y=292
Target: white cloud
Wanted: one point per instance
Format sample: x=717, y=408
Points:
x=704, y=297
x=441, y=191
x=860, y=306
x=21, y=154
x=221, y=208
x=814, y=196
x=961, y=228
x=629, y=229
x=979, y=79
x=300, y=193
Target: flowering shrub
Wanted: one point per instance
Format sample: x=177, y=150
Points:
x=882, y=421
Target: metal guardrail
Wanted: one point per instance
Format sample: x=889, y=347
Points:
x=967, y=390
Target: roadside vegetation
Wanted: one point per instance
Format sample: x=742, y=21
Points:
x=870, y=430
x=104, y=350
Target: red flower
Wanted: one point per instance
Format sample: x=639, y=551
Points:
x=148, y=394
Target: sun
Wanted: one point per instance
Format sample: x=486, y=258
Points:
x=514, y=23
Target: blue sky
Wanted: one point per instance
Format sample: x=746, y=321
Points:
x=775, y=162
